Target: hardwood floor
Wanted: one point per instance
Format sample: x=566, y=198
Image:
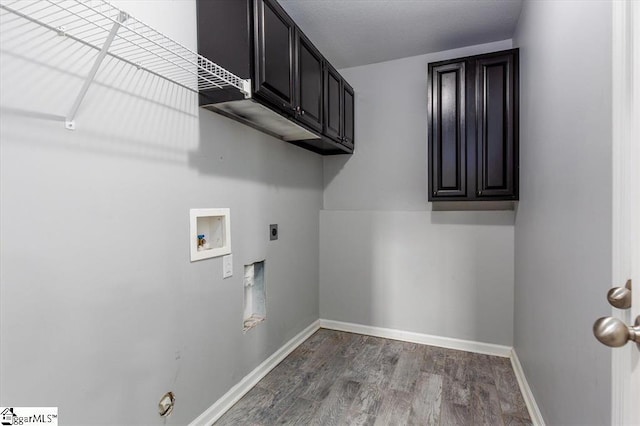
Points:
x=337, y=378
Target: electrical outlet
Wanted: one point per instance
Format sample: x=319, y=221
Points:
x=273, y=232
x=227, y=266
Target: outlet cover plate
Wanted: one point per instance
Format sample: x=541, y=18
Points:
x=273, y=232
x=227, y=266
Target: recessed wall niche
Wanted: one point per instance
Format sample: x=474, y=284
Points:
x=209, y=233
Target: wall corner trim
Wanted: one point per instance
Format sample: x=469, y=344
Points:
x=424, y=339
x=222, y=405
x=532, y=406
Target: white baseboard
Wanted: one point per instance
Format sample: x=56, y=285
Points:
x=223, y=404
x=425, y=339
x=532, y=406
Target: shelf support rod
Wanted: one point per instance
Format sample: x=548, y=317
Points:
x=246, y=88
x=69, y=121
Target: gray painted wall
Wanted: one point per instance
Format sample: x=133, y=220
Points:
x=447, y=274
x=101, y=311
x=563, y=222
x=386, y=259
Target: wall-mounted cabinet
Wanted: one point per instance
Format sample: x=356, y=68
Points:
x=339, y=108
x=274, y=55
x=348, y=112
x=258, y=40
x=309, y=86
x=332, y=103
x=473, y=128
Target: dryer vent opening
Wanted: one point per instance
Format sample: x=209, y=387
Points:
x=255, y=296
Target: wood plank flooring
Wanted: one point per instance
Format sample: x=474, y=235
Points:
x=337, y=378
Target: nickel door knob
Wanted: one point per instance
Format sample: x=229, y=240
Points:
x=620, y=297
x=613, y=332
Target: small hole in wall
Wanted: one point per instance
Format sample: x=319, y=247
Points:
x=255, y=296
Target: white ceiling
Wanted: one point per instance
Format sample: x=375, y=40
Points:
x=358, y=32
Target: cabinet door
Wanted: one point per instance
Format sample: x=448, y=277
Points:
x=309, y=83
x=274, y=65
x=496, y=118
x=447, y=135
x=332, y=103
x=348, y=109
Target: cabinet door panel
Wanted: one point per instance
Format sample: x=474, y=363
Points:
x=348, y=106
x=495, y=120
x=333, y=104
x=309, y=86
x=274, y=54
x=448, y=140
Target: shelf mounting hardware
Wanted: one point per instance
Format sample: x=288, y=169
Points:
x=69, y=123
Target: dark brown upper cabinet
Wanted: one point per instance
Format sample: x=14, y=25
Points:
x=447, y=142
x=473, y=128
x=332, y=103
x=257, y=40
x=339, y=108
x=497, y=122
x=275, y=70
x=348, y=111
x=309, y=93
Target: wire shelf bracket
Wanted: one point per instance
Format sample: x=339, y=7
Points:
x=113, y=32
x=69, y=122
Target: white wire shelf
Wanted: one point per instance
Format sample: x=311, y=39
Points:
x=113, y=32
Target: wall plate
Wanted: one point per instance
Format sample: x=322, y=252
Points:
x=227, y=266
